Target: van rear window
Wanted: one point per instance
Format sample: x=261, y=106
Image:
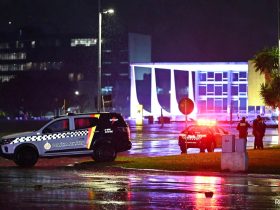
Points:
x=85, y=122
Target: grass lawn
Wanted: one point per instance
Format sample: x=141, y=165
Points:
x=265, y=161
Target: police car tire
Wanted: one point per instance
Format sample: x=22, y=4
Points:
x=26, y=157
x=104, y=153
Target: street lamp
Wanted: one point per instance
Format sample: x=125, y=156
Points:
x=109, y=11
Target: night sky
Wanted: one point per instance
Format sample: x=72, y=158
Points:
x=182, y=30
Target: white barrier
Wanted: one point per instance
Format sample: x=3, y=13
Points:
x=234, y=155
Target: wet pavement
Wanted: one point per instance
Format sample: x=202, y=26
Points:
x=55, y=183
x=154, y=140
x=130, y=189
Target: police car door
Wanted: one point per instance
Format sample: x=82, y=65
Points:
x=86, y=127
x=56, y=138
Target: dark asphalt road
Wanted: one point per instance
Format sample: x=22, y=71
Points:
x=104, y=188
x=56, y=184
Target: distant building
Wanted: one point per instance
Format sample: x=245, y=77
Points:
x=218, y=89
x=73, y=59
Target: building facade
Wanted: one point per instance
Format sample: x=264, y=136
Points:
x=58, y=70
x=219, y=90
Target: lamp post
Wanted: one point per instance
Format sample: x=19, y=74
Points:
x=109, y=11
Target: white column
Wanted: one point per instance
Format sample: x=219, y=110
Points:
x=155, y=106
x=133, y=93
x=174, y=109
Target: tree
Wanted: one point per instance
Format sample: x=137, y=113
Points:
x=267, y=63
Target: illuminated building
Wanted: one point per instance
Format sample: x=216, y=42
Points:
x=219, y=89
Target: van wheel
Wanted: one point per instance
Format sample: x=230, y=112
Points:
x=211, y=147
x=26, y=157
x=104, y=153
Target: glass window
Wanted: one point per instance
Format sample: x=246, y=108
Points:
x=243, y=103
x=210, y=88
x=202, y=76
x=243, y=75
x=235, y=77
x=202, y=105
x=224, y=75
x=218, y=90
x=242, y=88
x=234, y=90
x=235, y=106
x=218, y=104
x=210, y=103
x=224, y=103
x=210, y=75
x=218, y=77
x=202, y=90
x=57, y=126
x=225, y=88
x=86, y=122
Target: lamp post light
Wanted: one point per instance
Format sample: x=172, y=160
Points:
x=109, y=11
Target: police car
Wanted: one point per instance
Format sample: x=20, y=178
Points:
x=100, y=135
x=203, y=135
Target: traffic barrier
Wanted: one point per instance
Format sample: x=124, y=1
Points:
x=234, y=154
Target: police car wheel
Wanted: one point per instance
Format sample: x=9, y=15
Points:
x=26, y=157
x=211, y=147
x=104, y=153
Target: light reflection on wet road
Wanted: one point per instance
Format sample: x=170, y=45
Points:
x=154, y=140
x=123, y=189
x=52, y=186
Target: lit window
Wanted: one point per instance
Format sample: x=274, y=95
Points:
x=13, y=56
x=242, y=88
x=218, y=104
x=218, y=90
x=80, y=76
x=210, y=75
x=234, y=90
x=71, y=76
x=243, y=103
x=83, y=42
x=218, y=76
x=202, y=90
x=202, y=105
x=225, y=88
x=235, y=77
x=210, y=103
x=224, y=103
x=224, y=76
x=243, y=75
x=202, y=76
x=210, y=88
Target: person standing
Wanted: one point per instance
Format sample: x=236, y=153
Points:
x=259, y=128
x=242, y=127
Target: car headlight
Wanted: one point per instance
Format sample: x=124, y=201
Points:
x=6, y=141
